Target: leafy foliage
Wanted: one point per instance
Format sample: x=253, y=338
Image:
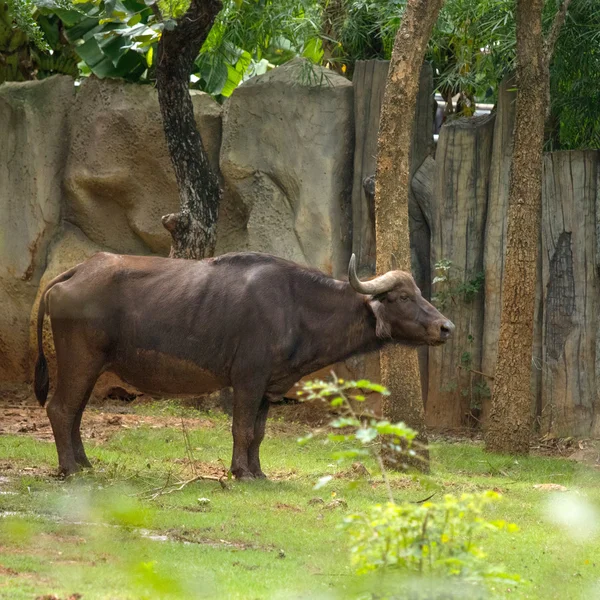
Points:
x=575, y=79
x=118, y=38
x=32, y=44
x=431, y=539
x=22, y=13
x=370, y=434
x=472, y=48
x=452, y=287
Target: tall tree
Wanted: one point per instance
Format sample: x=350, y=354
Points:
x=509, y=425
x=194, y=227
x=399, y=365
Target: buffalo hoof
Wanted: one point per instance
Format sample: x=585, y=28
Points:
x=243, y=475
x=66, y=472
x=259, y=475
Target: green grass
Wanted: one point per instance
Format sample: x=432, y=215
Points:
x=256, y=539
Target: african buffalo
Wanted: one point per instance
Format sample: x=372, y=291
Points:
x=251, y=321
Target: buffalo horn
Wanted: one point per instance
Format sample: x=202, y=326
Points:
x=379, y=285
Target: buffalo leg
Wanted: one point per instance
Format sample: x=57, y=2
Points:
x=78, y=450
x=259, y=434
x=246, y=406
x=78, y=369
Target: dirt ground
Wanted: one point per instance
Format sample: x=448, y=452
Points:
x=20, y=414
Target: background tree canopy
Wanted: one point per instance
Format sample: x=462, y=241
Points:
x=472, y=47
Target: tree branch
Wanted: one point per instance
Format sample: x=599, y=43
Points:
x=156, y=10
x=559, y=19
x=193, y=228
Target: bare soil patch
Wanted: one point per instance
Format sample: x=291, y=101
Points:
x=20, y=413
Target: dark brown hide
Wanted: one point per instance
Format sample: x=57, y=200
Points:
x=251, y=321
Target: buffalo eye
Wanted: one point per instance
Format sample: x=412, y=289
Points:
x=404, y=298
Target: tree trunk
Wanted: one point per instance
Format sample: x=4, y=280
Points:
x=495, y=228
x=193, y=228
x=509, y=425
x=399, y=365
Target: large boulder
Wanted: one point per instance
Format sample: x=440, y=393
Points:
x=119, y=181
x=286, y=160
x=33, y=122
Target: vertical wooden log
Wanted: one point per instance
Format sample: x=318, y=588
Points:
x=369, y=85
x=457, y=234
x=420, y=237
x=571, y=288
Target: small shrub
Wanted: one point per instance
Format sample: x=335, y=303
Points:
x=432, y=539
x=369, y=434
x=452, y=285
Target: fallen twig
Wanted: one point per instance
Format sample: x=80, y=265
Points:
x=179, y=485
x=425, y=499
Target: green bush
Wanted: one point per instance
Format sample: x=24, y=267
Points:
x=434, y=539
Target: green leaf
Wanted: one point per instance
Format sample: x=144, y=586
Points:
x=115, y=47
x=345, y=422
x=233, y=80
x=313, y=50
x=109, y=6
x=84, y=29
x=213, y=71
x=366, y=435
x=305, y=439
x=347, y=454
x=135, y=19
x=50, y=29
x=398, y=429
x=149, y=56
x=90, y=52
x=338, y=437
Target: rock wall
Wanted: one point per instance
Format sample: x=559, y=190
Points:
x=33, y=121
x=118, y=179
x=286, y=160
x=86, y=169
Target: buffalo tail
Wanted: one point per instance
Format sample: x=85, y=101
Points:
x=41, y=381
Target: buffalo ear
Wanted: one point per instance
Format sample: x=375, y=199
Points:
x=383, y=329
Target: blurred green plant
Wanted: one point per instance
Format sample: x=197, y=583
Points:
x=367, y=435
x=430, y=539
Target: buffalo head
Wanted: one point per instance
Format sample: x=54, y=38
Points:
x=401, y=312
